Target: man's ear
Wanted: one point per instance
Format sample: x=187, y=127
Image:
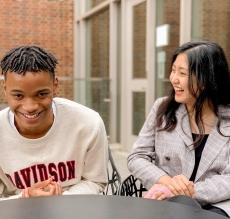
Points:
x=56, y=82
x=4, y=89
x=4, y=85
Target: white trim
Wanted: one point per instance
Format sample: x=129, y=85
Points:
x=80, y=60
x=150, y=53
x=185, y=20
x=79, y=41
x=136, y=2
x=91, y=12
x=94, y=10
x=130, y=84
x=124, y=77
x=113, y=45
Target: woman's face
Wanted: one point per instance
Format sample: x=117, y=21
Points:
x=179, y=79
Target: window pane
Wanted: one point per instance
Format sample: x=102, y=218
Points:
x=92, y=3
x=211, y=21
x=138, y=112
x=97, y=66
x=139, y=40
x=167, y=39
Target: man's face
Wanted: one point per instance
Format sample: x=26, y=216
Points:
x=30, y=99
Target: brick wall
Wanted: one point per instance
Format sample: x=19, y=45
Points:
x=47, y=23
x=215, y=23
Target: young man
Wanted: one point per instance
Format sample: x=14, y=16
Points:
x=49, y=146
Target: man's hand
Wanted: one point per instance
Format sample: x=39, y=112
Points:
x=178, y=185
x=44, y=188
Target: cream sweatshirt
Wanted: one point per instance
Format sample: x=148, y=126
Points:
x=74, y=151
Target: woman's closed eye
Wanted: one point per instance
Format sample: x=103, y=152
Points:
x=183, y=73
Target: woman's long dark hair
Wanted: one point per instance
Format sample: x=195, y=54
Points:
x=207, y=62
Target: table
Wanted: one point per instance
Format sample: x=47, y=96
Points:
x=98, y=207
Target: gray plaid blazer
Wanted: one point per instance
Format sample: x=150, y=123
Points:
x=155, y=154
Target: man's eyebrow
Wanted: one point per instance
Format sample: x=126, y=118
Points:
x=16, y=91
x=20, y=91
x=43, y=90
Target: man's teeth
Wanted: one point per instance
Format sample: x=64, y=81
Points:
x=31, y=116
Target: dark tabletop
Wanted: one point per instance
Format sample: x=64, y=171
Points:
x=98, y=207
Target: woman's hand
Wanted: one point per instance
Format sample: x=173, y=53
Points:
x=158, y=192
x=178, y=185
x=184, y=186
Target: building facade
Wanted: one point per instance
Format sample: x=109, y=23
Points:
x=123, y=51
x=47, y=23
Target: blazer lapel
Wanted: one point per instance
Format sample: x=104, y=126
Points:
x=184, y=132
x=213, y=146
x=183, y=126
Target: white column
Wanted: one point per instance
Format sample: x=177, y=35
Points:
x=185, y=20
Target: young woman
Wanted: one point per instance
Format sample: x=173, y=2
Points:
x=184, y=145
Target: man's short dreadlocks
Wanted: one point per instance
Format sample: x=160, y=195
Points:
x=28, y=58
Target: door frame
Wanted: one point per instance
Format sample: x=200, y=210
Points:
x=81, y=17
x=130, y=85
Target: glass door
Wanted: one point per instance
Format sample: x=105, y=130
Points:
x=134, y=105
